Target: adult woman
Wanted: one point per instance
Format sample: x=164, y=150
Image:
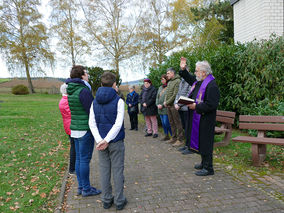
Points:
x=132, y=103
x=162, y=111
x=149, y=108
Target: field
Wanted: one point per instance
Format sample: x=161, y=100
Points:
x=41, y=85
x=34, y=152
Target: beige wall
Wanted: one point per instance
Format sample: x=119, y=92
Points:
x=257, y=19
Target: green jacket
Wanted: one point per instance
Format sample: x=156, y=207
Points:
x=160, y=98
x=172, y=90
x=79, y=117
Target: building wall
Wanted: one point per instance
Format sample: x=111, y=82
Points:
x=257, y=19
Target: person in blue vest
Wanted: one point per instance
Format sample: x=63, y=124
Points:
x=132, y=103
x=106, y=124
x=80, y=99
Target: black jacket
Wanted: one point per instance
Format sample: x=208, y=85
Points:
x=150, y=100
x=207, y=109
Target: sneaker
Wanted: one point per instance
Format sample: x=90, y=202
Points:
x=166, y=138
x=79, y=191
x=182, y=148
x=198, y=166
x=148, y=134
x=186, y=152
x=204, y=172
x=177, y=143
x=121, y=206
x=107, y=205
x=172, y=141
x=72, y=172
x=155, y=135
x=91, y=192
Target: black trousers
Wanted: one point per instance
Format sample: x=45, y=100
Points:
x=72, y=155
x=133, y=120
x=184, y=122
x=207, y=162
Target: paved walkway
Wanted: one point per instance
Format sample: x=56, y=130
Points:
x=159, y=179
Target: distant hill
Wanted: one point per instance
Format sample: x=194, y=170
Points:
x=137, y=82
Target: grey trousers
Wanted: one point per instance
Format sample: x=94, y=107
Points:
x=111, y=160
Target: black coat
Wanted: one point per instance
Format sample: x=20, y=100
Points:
x=150, y=100
x=207, y=109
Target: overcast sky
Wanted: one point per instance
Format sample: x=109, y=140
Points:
x=130, y=70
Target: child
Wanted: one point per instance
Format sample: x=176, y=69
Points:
x=106, y=123
x=66, y=116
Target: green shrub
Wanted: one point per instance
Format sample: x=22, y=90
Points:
x=250, y=76
x=20, y=90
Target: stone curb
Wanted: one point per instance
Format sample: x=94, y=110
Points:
x=62, y=192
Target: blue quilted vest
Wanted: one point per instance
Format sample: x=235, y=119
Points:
x=105, y=109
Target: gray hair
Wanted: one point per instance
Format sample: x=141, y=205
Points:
x=131, y=87
x=171, y=69
x=63, y=89
x=204, y=66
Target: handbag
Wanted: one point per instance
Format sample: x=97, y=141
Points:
x=132, y=109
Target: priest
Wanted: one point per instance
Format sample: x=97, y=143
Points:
x=202, y=113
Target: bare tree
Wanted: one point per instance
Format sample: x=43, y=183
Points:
x=112, y=25
x=158, y=34
x=66, y=24
x=23, y=37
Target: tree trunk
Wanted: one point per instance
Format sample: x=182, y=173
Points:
x=31, y=87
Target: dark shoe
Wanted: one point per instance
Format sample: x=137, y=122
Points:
x=72, y=172
x=121, y=206
x=148, y=134
x=186, y=152
x=155, y=135
x=136, y=129
x=107, y=205
x=204, y=172
x=166, y=138
x=91, y=192
x=79, y=191
x=198, y=166
x=182, y=148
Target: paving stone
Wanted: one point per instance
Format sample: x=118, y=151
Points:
x=160, y=179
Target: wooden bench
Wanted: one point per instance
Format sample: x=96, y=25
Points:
x=226, y=119
x=261, y=124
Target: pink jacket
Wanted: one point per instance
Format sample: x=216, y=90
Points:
x=66, y=114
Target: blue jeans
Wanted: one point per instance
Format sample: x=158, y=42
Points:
x=166, y=124
x=84, y=147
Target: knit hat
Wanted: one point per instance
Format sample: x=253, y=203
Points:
x=147, y=80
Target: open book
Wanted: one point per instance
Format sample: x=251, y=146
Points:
x=184, y=100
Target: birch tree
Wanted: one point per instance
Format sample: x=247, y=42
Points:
x=23, y=38
x=66, y=24
x=112, y=25
x=158, y=34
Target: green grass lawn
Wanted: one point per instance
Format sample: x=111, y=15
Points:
x=2, y=80
x=239, y=156
x=34, y=152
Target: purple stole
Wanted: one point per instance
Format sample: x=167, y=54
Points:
x=194, y=139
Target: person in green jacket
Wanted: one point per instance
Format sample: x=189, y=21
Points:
x=162, y=111
x=175, y=122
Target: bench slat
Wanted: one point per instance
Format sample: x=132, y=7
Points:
x=258, y=140
x=262, y=119
x=226, y=113
x=219, y=129
x=262, y=126
x=225, y=119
